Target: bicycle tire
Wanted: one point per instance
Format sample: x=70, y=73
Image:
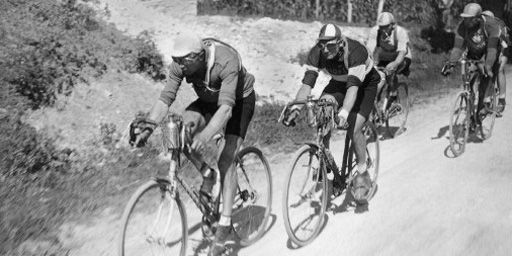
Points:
x=459, y=131
x=487, y=122
x=372, y=155
x=319, y=207
x=151, y=185
x=398, y=112
x=254, y=186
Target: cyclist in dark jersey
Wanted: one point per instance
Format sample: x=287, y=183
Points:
x=480, y=35
x=353, y=87
x=226, y=103
x=506, y=45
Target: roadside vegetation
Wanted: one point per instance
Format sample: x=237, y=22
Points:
x=46, y=48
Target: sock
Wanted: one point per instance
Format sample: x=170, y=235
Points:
x=361, y=167
x=225, y=220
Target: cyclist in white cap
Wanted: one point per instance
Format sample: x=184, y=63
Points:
x=353, y=86
x=480, y=35
x=226, y=101
x=389, y=44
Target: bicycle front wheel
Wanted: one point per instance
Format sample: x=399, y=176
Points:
x=459, y=124
x=253, y=198
x=398, y=111
x=154, y=222
x=305, y=196
x=491, y=110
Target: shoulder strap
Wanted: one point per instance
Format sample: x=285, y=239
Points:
x=210, y=43
x=345, y=51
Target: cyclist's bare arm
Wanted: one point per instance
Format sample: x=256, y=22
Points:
x=308, y=82
x=218, y=121
x=158, y=111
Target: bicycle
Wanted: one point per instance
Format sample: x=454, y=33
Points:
x=391, y=111
x=311, y=188
x=155, y=201
x=464, y=115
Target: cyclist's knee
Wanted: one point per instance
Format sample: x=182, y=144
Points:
x=231, y=147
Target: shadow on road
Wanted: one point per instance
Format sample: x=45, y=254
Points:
x=233, y=245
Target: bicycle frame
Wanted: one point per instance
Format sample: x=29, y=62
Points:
x=176, y=144
x=469, y=77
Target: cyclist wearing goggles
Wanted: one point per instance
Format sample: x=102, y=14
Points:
x=226, y=101
x=353, y=87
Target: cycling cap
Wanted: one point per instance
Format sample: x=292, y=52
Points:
x=488, y=13
x=471, y=10
x=186, y=43
x=385, y=19
x=329, y=32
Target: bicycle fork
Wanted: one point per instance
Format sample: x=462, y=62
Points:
x=168, y=191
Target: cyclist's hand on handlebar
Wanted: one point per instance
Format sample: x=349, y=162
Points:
x=140, y=130
x=199, y=142
x=342, y=119
x=390, y=68
x=447, y=68
x=289, y=119
x=488, y=71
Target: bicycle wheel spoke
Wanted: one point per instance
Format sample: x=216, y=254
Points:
x=251, y=209
x=305, y=197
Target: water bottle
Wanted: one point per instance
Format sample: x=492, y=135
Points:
x=173, y=135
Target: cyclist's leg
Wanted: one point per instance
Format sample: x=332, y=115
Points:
x=196, y=116
x=360, y=113
x=383, y=79
x=502, y=82
x=334, y=92
x=236, y=129
x=358, y=116
x=485, y=88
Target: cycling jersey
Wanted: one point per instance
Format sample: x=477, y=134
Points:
x=390, y=44
x=352, y=65
x=479, y=41
x=222, y=80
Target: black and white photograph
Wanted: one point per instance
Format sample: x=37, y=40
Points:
x=255, y=127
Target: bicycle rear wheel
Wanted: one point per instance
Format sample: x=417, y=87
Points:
x=154, y=222
x=253, y=199
x=398, y=111
x=491, y=110
x=372, y=155
x=459, y=124
x=305, y=196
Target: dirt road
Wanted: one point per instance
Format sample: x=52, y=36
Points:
x=427, y=203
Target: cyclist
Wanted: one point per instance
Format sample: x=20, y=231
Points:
x=353, y=86
x=389, y=44
x=480, y=35
x=226, y=100
x=506, y=46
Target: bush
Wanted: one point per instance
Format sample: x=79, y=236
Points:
x=329, y=9
x=50, y=46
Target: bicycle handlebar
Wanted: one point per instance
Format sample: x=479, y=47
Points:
x=310, y=102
